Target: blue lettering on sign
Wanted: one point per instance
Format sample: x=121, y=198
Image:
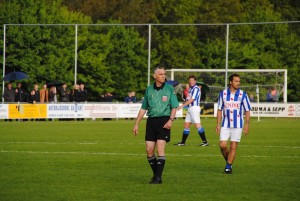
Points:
x=59, y=107
x=77, y=108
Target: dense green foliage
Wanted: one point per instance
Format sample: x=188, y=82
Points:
x=114, y=58
x=102, y=160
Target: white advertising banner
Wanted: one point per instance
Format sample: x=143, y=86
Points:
x=95, y=110
x=3, y=111
x=129, y=110
x=123, y=110
x=272, y=110
x=100, y=110
x=68, y=110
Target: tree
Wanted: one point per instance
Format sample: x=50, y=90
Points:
x=127, y=60
x=44, y=52
x=126, y=11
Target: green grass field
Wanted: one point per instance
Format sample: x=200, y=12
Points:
x=102, y=160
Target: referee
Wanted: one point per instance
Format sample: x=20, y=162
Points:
x=160, y=102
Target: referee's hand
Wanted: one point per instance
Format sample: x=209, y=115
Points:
x=168, y=125
x=135, y=130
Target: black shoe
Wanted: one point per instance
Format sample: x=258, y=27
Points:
x=228, y=171
x=180, y=144
x=204, y=144
x=152, y=179
x=156, y=180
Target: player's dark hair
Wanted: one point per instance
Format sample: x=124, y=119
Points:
x=232, y=76
x=192, y=76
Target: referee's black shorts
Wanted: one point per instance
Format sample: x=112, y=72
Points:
x=155, y=130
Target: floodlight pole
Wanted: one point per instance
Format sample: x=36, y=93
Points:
x=149, y=53
x=76, y=43
x=4, y=41
x=226, y=61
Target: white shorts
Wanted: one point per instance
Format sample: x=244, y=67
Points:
x=193, y=115
x=234, y=134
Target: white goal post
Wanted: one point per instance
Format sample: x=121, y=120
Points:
x=256, y=81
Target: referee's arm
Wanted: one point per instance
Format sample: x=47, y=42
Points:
x=140, y=116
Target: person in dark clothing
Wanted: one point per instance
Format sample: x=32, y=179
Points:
x=83, y=94
x=77, y=97
x=20, y=93
x=37, y=96
x=75, y=94
x=9, y=93
x=64, y=93
x=32, y=98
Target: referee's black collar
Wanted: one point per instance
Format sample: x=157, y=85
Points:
x=158, y=88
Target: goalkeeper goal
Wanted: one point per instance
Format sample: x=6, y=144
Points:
x=256, y=82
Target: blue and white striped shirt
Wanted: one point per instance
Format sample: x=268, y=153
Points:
x=233, y=105
x=194, y=93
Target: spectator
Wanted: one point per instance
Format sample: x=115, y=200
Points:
x=32, y=97
x=52, y=94
x=64, y=94
x=251, y=97
x=133, y=97
x=107, y=97
x=36, y=93
x=75, y=95
x=272, y=95
x=20, y=94
x=186, y=92
x=44, y=94
x=9, y=93
x=128, y=99
x=82, y=93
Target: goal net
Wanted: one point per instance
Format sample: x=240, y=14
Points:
x=255, y=82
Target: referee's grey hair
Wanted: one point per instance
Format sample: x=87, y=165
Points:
x=159, y=67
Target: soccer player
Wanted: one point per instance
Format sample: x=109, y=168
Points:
x=193, y=113
x=233, y=102
x=160, y=102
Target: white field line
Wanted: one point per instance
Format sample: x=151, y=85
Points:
x=134, y=143
x=133, y=154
